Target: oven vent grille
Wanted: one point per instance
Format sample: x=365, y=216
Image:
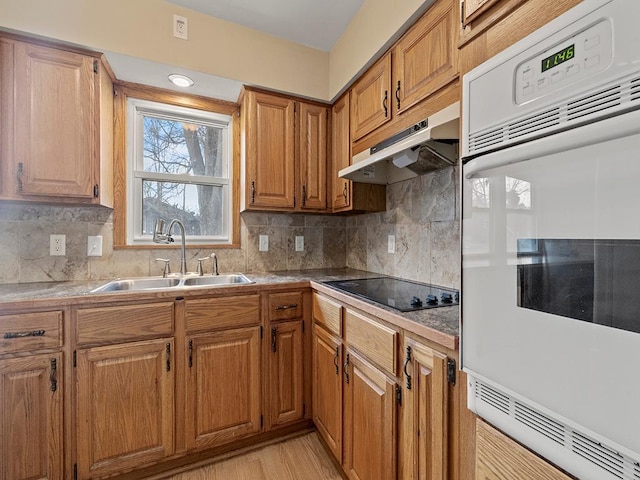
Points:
x=539, y=422
x=533, y=123
x=635, y=89
x=494, y=398
x=598, y=454
x=611, y=463
x=610, y=99
x=486, y=139
x=602, y=100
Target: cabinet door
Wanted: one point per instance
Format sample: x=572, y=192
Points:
x=31, y=418
x=423, y=446
x=285, y=387
x=327, y=388
x=370, y=99
x=223, y=387
x=369, y=421
x=269, y=151
x=312, y=141
x=426, y=58
x=56, y=122
x=125, y=406
x=340, y=153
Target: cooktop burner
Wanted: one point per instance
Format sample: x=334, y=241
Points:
x=402, y=295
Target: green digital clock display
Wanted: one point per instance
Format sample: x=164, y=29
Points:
x=559, y=57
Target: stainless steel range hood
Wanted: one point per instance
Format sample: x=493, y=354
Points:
x=427, y=146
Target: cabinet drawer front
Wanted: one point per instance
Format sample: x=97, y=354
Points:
x=327, y=313
x=30, y=331
x=124, y=323
x=374, y=340
x=285, y=306
x=219, y=313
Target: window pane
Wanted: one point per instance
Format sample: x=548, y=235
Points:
x=172, y=146
x=198, y=207
x=518, y=193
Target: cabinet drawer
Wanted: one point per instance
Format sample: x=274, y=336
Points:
x=219, y=313
x=327, y=313
x=285, y=306
x=374, y=340
x=30, y=331
x=124, y=323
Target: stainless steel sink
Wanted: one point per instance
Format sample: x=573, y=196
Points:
x=137, y=284
x=229, y=279
x=159, y=283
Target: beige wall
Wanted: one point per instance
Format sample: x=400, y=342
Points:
x=143, y=29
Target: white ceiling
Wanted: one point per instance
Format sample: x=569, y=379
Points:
x=314, y=23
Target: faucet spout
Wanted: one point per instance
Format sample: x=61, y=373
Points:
x=214, y=257
x=183, y=246
x=166, y=238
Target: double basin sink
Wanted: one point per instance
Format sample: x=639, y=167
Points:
x=160, y=283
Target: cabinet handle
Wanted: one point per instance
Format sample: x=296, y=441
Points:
x=274, y=337
x=406, y=364
x=33, y=333
x=53, y=375
x=398, y=94
x=335, y=360
x=304, y=195
x=19, y=175
x=345, y=192
x=190, y=353
x=346, y=369
x=286, y=307
x=253, y=192
x=385, y=103
x=167, y=349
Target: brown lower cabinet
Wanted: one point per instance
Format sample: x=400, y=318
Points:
x=32, y=393
x=223, y=387
x=126, y=406
x=384, y=415
x=158, y=381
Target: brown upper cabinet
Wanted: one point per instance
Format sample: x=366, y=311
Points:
x=284, y=153
x=56, y=124
x=347, y=196
x=423, y=61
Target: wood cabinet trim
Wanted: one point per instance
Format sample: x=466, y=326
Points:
x=124, y=323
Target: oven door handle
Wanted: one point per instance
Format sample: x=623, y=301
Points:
x=609, y=129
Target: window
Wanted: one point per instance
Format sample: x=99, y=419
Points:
x=179, y=165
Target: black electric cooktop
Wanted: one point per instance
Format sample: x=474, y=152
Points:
x=402, y=295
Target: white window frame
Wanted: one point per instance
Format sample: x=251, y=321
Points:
x=136, y=109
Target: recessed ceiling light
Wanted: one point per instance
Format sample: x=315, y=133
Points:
x=180, y=80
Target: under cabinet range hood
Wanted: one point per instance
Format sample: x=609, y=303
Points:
x=429, y=145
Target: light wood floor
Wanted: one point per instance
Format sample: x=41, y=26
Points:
x=300, y=458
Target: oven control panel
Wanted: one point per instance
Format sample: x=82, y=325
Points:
x=585, y=53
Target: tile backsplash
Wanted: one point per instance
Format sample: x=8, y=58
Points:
x=424, y=216
x=422, y=213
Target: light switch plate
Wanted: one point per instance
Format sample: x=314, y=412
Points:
x=299, y=243
x=264, y=243
x=94, y=246
x=391, y=243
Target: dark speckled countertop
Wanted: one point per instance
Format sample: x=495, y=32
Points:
x=439, y=324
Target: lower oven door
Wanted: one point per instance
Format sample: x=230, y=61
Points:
x=551, y=287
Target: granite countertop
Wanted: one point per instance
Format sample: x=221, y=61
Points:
x=437, y=324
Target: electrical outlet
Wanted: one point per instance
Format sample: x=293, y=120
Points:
x=299, y=243
x=180, y=27
x=57, y=245
x=94, y=246
x=391, y=244
x=264, y=243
